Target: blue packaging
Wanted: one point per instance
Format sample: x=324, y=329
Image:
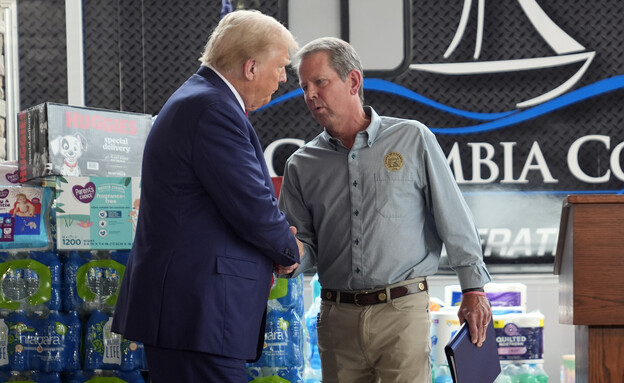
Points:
x=53, y=228
x=30, y=281
x=283, y=341
x=312, y=356
x=92, y=281
x=4, y=347
x=287, y=293
x=25, y=217
x=49, y=343
x=110, y=351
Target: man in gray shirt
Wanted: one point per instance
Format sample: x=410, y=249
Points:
x=373, y=200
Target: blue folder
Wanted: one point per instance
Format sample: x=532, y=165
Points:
x=469, y=363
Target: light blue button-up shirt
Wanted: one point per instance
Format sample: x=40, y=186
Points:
x=378, y=213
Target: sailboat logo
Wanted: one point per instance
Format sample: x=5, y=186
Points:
x=568, y=51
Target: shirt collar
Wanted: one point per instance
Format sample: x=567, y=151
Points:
x=373, y=127
x=236, y=94
x=372, y=130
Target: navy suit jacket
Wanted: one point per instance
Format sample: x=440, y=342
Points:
x=209, y=229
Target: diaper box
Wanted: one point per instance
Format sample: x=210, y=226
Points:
x=96, y=213
x=57, y=139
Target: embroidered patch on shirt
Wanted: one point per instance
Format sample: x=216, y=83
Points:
x=393, y=161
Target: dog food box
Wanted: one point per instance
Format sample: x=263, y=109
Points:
x=96, y=213
x=57, y=139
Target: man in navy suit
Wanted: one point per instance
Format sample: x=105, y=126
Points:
x=209, y=231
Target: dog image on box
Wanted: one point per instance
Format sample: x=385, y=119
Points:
x=71, y=147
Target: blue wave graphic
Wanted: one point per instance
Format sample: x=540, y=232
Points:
x=494, y=120
x=384, y=86
x=278, y=100
x=544, y=192
x=392, y=88
x=593, y=90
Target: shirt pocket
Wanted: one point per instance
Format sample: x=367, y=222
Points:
x=393, y=196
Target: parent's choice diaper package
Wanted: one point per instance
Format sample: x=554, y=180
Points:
x=96, y=213
x=9, y=173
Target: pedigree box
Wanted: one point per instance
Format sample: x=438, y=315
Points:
x=96, y=213
x=57, y=139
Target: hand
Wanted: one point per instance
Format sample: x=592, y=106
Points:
x=299, y=243
x=281, y=270
x=477, y=311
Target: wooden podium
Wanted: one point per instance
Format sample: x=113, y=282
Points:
x=590, y=264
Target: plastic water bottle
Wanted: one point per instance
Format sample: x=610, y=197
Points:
x=94, y=280
x=314, y=358
x=312, y=372
x=442, y=374
x=110, y=284
x=540, y=373
x=103, y=282
x=13, y=285
x=503, y=378
x=316, y=287
x=31, y=282
x=509, y=374
x=526, y=374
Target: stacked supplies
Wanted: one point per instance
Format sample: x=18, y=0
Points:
x=55, y=316
x=519, y=334
x=283, y=354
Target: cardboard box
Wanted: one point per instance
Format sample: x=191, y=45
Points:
x=96, y=213
x=56, y=139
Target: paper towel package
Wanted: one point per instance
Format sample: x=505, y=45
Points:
x=520, y=337
x=509, y=295
x=96, y=213
x=57, y=139
x=444, y=325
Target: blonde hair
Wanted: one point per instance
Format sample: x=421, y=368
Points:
x=244, y=34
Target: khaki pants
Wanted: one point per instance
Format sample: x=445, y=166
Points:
x=387, y=342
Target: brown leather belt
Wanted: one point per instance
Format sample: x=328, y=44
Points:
x=365, y=298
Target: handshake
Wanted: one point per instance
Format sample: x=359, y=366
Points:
x=282, y=270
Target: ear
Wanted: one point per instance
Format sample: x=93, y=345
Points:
x=356, y=81
x=55, y=145
x=249, y=69
x=82, y=140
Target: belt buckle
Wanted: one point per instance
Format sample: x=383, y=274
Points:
x=355, y=297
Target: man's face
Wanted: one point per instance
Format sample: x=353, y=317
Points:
x=325, y=94
x=269, y=72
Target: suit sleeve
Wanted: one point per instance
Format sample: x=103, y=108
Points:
x=225, y=160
